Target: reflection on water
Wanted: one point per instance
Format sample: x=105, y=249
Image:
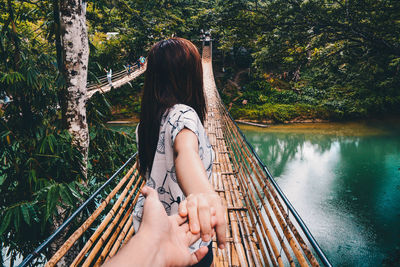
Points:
x=344, y=180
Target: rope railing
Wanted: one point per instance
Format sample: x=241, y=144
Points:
x=102, y=80
x=275, y=187
x=36, y=253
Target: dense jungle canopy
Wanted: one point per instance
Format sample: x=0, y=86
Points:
x=275, y=61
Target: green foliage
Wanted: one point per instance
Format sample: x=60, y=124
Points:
x=41, y=180
x=139, y=25
x=40, y=168
x=279, y=113
x=341, y=55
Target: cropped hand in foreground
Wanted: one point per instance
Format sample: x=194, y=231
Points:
x=160, y=241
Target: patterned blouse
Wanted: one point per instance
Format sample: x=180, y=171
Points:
x=163, y=175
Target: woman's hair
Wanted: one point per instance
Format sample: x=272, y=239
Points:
x=174, y=75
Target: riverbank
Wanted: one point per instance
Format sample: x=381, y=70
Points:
x=373, y=126
x=352, y=128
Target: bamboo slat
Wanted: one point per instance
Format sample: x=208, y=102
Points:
x=288, y=235
x=119, y=227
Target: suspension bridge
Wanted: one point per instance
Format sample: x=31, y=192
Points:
x=264, y=228
x=119, y=79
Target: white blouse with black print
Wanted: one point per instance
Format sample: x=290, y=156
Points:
x=163, y=176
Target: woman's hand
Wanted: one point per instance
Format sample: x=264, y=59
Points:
x=206, y=214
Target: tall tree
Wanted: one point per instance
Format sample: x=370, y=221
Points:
x=75, y=53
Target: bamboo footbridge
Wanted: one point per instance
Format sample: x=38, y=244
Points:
x=119, y=79
x=263, y=227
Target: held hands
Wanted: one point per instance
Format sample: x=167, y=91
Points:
x=160, y=241
x=205, y=212
x=170, y=234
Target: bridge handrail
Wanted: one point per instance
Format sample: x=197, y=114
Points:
x=28, y=259
x=299, y=220
x=102, y=80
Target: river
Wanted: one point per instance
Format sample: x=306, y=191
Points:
x=344, y=181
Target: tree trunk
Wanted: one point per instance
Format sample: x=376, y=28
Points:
x=61, y=90
x=75, y=56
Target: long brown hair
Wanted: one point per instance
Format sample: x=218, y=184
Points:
x=174, y=75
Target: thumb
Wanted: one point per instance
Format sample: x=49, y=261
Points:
x=148, y=192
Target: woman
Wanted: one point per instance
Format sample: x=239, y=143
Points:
x=175, y=156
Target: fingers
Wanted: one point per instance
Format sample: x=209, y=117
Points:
x=193, y=216
x=185, y=228
x=198, y=255
x=206, y=215
x=213, y=211
x=182, y=209
x=204, y=218
x=149, y=192
x=191, y=238
x=213, y=221
x=179, y=219
x=220, y=227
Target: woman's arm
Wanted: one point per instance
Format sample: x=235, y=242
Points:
x=201, y=199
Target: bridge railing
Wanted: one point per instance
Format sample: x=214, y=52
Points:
x=271, y=198
x=130, y=182
x=103, y=80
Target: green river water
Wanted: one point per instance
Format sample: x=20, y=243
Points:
x=344, y=181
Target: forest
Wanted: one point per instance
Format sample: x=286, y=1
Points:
x=276, y=61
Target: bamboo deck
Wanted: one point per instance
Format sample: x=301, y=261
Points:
x=259, y=232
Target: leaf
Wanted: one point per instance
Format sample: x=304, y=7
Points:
x=17, y=218
x=6, y=222
x=25, y=214
x=50, y=140
x=33, y=212
x=75, y=192
x=32, y=175
x=52, y=198
x=66, y=195
x=43, y=146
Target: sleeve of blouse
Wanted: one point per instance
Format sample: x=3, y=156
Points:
x=185, y=117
